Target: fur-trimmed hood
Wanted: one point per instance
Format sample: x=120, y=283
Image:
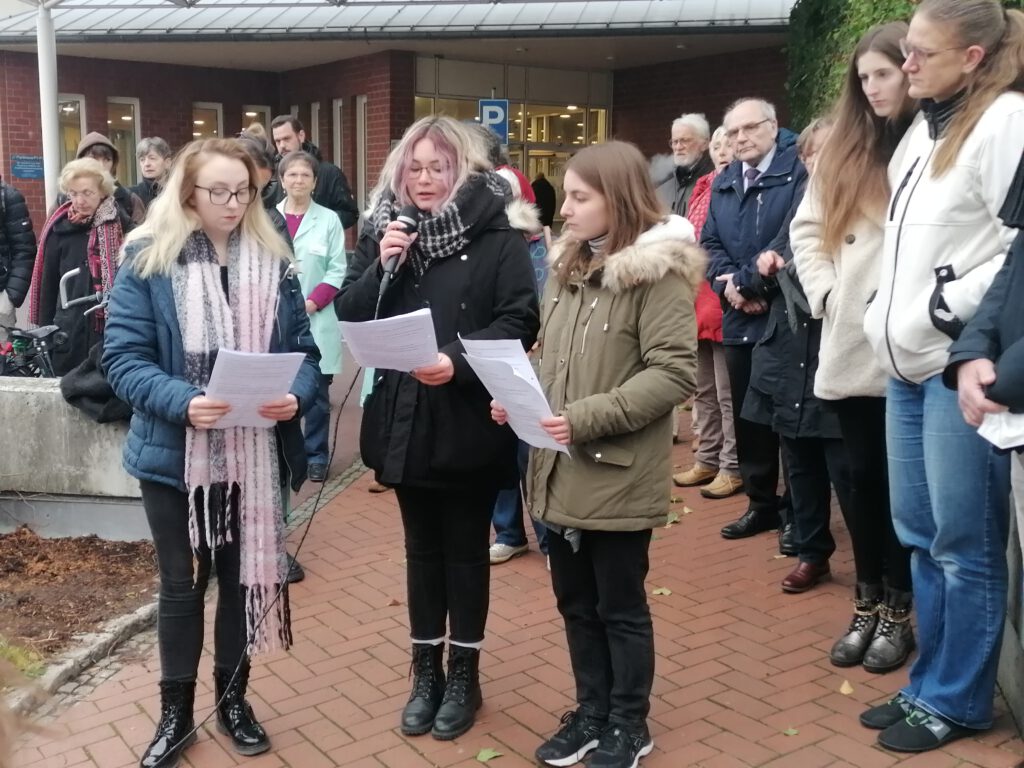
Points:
x=666, y=247
x=524, y=216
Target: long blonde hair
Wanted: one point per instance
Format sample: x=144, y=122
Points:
x=1000, y=32
x=171, y=219
x=462, y=150
x=618, y=171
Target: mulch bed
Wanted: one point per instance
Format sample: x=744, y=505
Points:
x=52, y=590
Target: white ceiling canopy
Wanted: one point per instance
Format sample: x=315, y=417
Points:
x=78, y=21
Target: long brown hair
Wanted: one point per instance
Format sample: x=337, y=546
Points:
x=1000, y=32
x=853, y=162
x=618, y=171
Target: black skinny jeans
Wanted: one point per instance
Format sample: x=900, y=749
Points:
x=180, y=613
x=601, y=596
x=878, y=555
x=448, y=566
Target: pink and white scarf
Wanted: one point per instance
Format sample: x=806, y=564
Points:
x=242, y=459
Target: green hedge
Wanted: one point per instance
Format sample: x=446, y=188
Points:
x=822, y=33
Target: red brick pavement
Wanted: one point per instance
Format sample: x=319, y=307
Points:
x=742, y=674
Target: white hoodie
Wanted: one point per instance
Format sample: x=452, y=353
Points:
x=944, y=241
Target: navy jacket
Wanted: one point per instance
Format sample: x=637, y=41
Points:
x=741, y=225
x=144, y=362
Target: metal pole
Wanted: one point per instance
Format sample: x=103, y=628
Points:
x=46, y=51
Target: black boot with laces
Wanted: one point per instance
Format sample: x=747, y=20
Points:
x=579, y=735
x=849, y=649
x=234, y=715
x=894, y=637
x=174, y=732
x=462, y=697
x=427, y=672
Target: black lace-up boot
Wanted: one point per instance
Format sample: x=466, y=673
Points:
x=462, y=697
x=849, y=649
x=234, y=715
x=894, y=637
x=174, y=731
x=427, y=688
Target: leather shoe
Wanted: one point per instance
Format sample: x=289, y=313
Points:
x=787, y=540
x=317, y=473
x=695, y=475
x=752, y=523
x=296, y=572
x=722, y=487
x=805, y=576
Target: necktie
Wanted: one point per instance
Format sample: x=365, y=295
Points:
x=751, y=175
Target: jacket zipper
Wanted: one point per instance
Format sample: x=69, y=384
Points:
x=896, y=253
x=586, y=325
x=903, y=185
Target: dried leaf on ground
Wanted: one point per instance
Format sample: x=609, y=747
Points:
x=662, y=591
x=790, y=732
x=673, y=518
x=487, y=754
x=846, y=689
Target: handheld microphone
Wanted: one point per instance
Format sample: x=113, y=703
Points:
x=409, y=217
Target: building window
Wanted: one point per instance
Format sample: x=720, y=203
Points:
x=207, y=120
x=256, y=113
x=71, y=121
x=598, y=125
x=124, y=133
x=314, y=123
x=338, y=106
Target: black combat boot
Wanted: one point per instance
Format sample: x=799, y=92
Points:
x=894, y=637
x=849, y=649
x=234, y=715
x=462, y=697
x=174, y=732
x=427, y=688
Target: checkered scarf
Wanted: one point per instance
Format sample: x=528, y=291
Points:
x=242, y=459
x=447, y=232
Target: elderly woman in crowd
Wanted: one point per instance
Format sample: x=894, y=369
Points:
x=85, y=233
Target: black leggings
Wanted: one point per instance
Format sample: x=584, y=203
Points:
x=877, y=553
x=180, y=616
x=448, y=567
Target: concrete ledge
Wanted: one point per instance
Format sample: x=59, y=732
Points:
x=90, y=649
x=58, y=516
x=52, y=448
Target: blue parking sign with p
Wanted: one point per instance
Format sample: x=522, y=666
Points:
x=494, y=115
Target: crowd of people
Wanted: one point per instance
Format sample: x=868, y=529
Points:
x=837, y=304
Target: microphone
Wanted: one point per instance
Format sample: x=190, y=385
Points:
x=409, y=217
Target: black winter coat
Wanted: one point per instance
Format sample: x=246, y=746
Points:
x=784, y=363
x=17, y=245
x=146, y=190
x=443, y=436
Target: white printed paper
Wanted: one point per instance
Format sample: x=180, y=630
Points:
x=248, y=380
x=401, y=343
x=1004, y=429
x=508, y=351
x=524, y=402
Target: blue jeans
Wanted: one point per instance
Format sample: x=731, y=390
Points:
x=508, y=511
x=318, y=423
x=950, y=506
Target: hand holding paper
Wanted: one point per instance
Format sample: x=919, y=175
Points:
x=248, y=382
x=400, y=343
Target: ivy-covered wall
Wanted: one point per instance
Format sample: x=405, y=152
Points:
x=822, y=33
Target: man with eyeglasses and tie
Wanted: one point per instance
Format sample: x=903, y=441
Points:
x=749, y=203
x=691, y=135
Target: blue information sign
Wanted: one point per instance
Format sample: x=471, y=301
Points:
x=494, y=114
x=27, y=166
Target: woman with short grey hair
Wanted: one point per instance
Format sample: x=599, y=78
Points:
x=155, y=158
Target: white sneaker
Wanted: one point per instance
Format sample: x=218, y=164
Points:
x=501, y=553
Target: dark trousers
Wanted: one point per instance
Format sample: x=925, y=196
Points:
x=601, y=596
x=811, y=463
x=757, y=446
x=317, y=425
x=180, y=613
x=877, y=553
x=448, y=567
